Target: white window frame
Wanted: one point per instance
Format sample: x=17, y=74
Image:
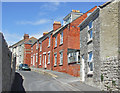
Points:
x=89, y=62
x=61, y=37
x=89, y=31
x=49, y=41
x=56, y=41
x=61, y=58
x=37, y=45
x=40, y=60
x=36, y=57
x=41, y=47
x=55, y=59
x=48, y=58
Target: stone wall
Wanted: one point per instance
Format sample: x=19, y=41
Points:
x=109, y=73
x=8, y=68
x=93, y=46
x=109, y=46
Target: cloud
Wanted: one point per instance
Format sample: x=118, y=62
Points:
x=41, y=21
x=51, y=6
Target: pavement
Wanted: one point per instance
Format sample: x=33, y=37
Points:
x=73, y=82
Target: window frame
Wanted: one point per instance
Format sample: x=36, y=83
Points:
x=40, y=47
x=48, y=58
x=61, y=57
x=36, y=57
x=90, y=62
x=90, y=29
x=55, y=41
x=61, y=38
x=49, y=41
x=55, y=59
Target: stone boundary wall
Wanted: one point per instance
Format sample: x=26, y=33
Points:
x=7, y=66
x=110, y=73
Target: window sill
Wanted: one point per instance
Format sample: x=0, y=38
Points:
x=48, y=63
x=60, y=64
x=90, y=74
x=72, y=63
x=61, y=44
x=39, y=64
x=89, y=41
x=90, y=29
x=48, y=46
x=55, y=65
x=55, y=47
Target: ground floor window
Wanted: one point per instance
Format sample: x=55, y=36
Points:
x=73, y=56
x=90, y=62
x=40, y=60
x=55, y=59
x=61, y=58
x=48, y=58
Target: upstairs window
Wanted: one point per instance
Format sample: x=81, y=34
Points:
x=41, y=47
x=90, y=31
x=49, y=42
x=56, y=41
x=61, y=38
x=37, y=45
x=90, y=25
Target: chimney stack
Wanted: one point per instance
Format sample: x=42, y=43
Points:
x=26, y=36
x=44, y=33
x=56, y=25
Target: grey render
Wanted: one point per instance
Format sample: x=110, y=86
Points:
x=18, y=50
x=7, y=66
x=105, y=46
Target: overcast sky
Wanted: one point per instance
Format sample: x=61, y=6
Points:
x=34, y=18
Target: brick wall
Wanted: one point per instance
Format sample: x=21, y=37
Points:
x=27, y=54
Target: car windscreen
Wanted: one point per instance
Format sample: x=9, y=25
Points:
x=25, y=65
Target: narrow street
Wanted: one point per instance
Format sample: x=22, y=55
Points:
x=34, y=81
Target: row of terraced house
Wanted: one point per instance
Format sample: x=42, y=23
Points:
x=87, y=46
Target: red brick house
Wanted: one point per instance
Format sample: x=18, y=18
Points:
x=27, y=50
x=59, y=49
x=42, y=51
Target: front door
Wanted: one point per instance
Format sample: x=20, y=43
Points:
x=83, y=69
x=33, y=60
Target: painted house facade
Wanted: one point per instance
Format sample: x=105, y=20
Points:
x=22, y=50
x=99, y=46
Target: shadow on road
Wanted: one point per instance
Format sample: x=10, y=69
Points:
x=18, y=84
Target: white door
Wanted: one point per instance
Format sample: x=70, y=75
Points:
x=45, y=62
x=83, y=68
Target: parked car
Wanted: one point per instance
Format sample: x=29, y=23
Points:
x=24, y=67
